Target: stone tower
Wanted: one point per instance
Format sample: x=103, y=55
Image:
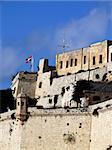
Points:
x=21, y=106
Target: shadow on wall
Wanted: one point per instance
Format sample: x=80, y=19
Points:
x=31, y=102
x=80, y=87
x=7, y=101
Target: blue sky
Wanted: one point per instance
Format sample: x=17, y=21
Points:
x=37, y=28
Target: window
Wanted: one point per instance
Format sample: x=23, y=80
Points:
x=50, y=101
x=61, y=64
x=84, y=59
x=71, y=62
x=22, y=103
x=40, y=85
x=111, y=56
x=13, y=91
x=97, y=76
x=94, y=60
x=100, y=59
x=18, y=103
x=67, y=64
x=55, y=99
x=75, y=62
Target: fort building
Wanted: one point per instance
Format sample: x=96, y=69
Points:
x=65, y=107
x=96, y=55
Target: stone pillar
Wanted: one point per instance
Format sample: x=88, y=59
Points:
x=21, y=107
x=43, y=65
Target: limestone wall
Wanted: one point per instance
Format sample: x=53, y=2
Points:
x=58, y=129
x=51, y=130
x=72, y=62
x=110, y=53
x=46, y=130
x=51, y=87
x=24, y=80
x=10, y=132
x=101, y=129
x=71, y=67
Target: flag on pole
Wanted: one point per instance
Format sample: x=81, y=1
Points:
x=29, y=59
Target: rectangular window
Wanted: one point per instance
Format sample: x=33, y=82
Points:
x=61, y=64
x=18, y=103
x=14, y=90
x=67, y=64
x=75, y=62
x=40, y=85
x=84, y=59
x=71, y=62
x=111, y=56
x=94, y=60
x=100, y=59
x=50, y=101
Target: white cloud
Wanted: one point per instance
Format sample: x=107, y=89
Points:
x=10, y=59
x=82, y=32
x=38, y=40
x=79, y=33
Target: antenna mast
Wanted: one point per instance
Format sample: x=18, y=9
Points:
x=63, y=46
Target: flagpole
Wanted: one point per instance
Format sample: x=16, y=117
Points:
x=32, y=64
x=30, y=60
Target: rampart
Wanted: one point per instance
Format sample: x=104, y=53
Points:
x=81, y=129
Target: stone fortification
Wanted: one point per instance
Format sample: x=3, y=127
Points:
x=47, y=84
x=71, y=104
x=47, y=129
x=26, y=80
x=96, y=55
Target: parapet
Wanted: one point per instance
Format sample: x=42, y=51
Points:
x=27, y=80
x=44, y=66
x=24, y=75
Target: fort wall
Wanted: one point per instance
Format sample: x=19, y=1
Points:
x=101, y=126
x=101, y=130
x=64, y=129
x=88, y=128
x=47, y=130
x=10, y=132
x=54, y=86
x=96, y=55
x=24, y=80
x=53, y=130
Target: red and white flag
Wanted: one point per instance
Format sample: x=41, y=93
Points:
x=29, y=59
